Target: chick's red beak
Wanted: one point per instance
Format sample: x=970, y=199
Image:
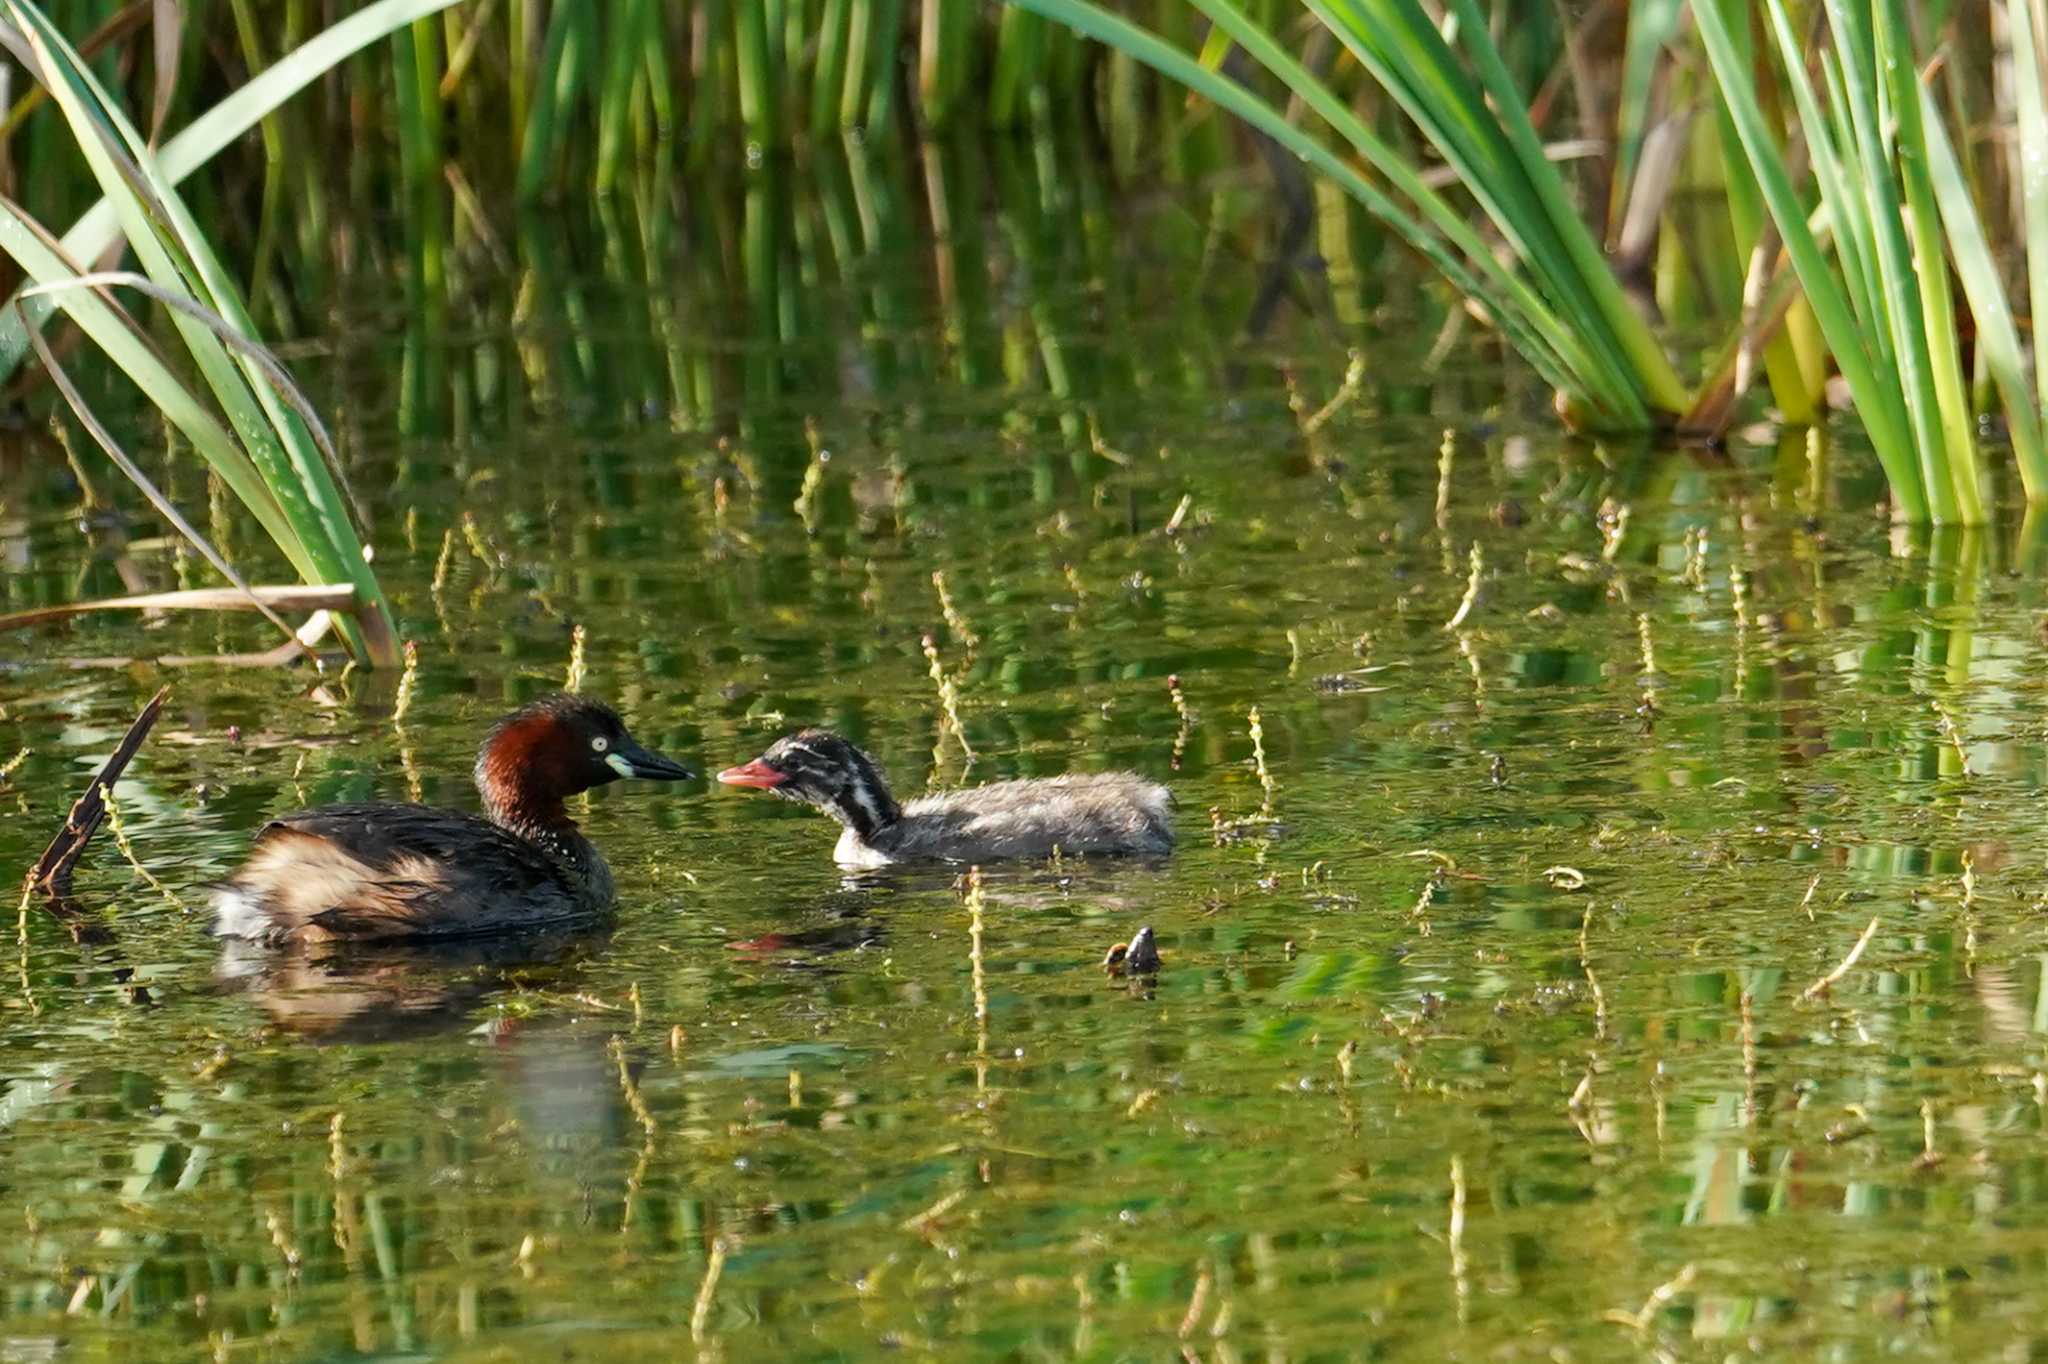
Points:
x=755, y=773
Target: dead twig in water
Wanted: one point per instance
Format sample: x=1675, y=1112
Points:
x=1354, y=375
x=339, y=597
x=1639, y=1321
x=1827, y=982
x=700, y=1315
x=52, y=871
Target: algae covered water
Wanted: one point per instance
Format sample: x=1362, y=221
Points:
x=1533, y=800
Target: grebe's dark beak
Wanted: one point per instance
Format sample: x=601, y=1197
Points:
x=755, y=773
x=628, y=759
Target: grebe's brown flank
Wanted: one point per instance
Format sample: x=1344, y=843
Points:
x=385, y=871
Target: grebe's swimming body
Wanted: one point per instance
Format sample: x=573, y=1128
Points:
x=1077, y=814
x=387, y=871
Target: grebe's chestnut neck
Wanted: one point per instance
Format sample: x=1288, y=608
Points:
x=553, y=748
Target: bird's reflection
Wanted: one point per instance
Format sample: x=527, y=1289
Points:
x=855, y=917
x=358, y=993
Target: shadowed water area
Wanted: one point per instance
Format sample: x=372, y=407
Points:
x=1480, y=1033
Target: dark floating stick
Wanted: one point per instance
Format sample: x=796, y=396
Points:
x=52, y=871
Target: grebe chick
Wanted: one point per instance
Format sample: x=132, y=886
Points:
x=1077, y=814
x=386, y=871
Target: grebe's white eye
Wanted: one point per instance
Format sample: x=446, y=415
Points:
x=600, y=744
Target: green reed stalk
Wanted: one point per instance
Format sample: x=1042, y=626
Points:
x=945, y=54
x=828, y=73
x=1019, y=66
x=756, y=71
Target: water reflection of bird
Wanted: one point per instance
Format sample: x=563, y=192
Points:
x=387, y=992
x=1074, y=815
x=388, y=871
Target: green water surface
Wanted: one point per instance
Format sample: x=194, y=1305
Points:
x=1450, y=1056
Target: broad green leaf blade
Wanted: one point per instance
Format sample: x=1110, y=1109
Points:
x=44, y=263
x=1823, y=288
x=1093, y=21
x=2030, y=69
x=1957, y=422
x=1610, y=390
x=192, y=148
x=1984, y=287
x=1903, y=313
x=175, y=251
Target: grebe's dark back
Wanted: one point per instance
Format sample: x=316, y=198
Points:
x=388, y=871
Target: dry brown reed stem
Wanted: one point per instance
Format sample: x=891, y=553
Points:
x=13, y=764
x=1471, y=597
x=120, y=833
x=700, y=1314
x=579, y=669
x=1806, y=901
x=956, y=624
x=52, y=872
x=1827, y=982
